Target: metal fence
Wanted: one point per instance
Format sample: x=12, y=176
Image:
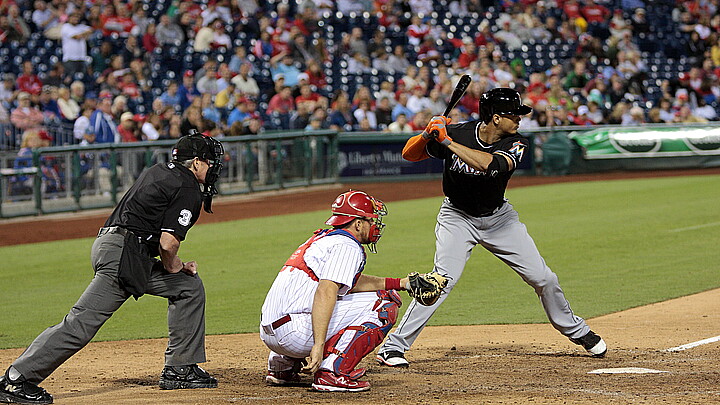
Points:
x=71, y=178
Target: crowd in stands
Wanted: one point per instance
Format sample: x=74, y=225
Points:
x=129, y=70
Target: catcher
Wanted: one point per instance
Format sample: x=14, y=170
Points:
x=322, y=291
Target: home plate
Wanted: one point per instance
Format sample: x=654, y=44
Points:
x=626, y=370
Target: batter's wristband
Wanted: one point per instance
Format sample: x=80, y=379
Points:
x=392, y=283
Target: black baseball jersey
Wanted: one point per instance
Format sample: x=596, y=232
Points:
x=476, y=192
x=165, y=198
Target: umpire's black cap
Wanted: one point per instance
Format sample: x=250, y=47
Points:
x=192, y=146
x=503, y=101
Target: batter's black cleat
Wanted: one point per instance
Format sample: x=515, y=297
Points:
x=22, y=392
x=593, y=343
x=181, y=377
x=392, y=358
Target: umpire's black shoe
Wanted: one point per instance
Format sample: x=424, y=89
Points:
x=192, y=376
x=22, y=392
x=392, y=358
x=593, y=343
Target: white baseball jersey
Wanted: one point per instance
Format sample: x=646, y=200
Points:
x=328, y=255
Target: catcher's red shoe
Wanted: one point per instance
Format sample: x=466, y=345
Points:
x=329, y=381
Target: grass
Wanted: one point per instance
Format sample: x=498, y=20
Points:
x=615, y=245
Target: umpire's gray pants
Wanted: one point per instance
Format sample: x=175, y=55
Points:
x=456, y=234
x=186, y=315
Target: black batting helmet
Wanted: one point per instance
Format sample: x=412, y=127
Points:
x=501, y=100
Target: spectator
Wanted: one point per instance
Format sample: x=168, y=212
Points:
x=341, y=118
x=240, y=113
x=666, y=112
x=398, y=62
x=300, y=118
x=417, y=30
x=220, y=37
x=402, y=108
x=417, y=101
x=127, y=128
x=282, y=102
x=25, y=116
x=101, y=60
x=238, y=59
x=18, y=24
x=383, y=113
x=169, y=33
x=245, y=83
x=316, y=77
x=28, y=81
x=307, y=97
x=193, y=119
x=81, y=127
x=209, y=111
x=263, y=46
x=187, y=90
x=282, y=64
x=204, y=39
x=45, y=19
x=225, y=99
x=363, y=112
x=102, y=123
x=400, y=124
x=686, y=116
x=224, y=77
x=578, y=77
x=300, y=50
x=635, y=116
x=208, y=83
x=119, y=22
x=74, y=45
x=77, y=91
x=705, y=111
x=171, y=97
x=141, y=21
x=150, y=129
x=594, y=113
x=132, y=49
x=9, y=33
x=7, y=90
x=47, y=101
x=149, y=39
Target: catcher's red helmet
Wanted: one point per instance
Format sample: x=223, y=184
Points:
x=354, y=204
x=357, y=204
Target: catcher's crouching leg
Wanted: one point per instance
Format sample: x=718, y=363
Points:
x=346, y=348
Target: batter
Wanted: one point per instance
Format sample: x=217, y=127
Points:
x=480, y=157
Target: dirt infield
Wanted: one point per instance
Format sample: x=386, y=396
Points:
x=496, y=364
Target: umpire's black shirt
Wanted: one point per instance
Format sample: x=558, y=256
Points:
x=476, y=192
x=165, y=198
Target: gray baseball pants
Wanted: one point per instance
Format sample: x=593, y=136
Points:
x=502, y=234
x=104, y=296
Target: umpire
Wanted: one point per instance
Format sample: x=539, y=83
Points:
x=150, y=221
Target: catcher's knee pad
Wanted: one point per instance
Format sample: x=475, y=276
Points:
x=364, y=338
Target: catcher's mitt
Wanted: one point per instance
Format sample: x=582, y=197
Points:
x=426, y=288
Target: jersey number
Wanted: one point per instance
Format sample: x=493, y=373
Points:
x=185, y=216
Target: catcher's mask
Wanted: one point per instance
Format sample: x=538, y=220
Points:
x=501, y=101
x=205, y=148
x=357, y=204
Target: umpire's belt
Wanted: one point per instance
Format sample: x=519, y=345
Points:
x=113, y=229
x=270, y=329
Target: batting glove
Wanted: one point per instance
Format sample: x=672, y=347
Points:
x=436, y=129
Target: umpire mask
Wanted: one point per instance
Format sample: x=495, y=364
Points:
x=205, y=148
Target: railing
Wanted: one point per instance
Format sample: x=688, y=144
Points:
x=71, y=178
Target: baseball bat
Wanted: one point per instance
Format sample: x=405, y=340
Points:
x=460, y=89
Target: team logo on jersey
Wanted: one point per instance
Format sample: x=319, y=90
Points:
x=518, y=149
x=460, y=166
x=171, y=165
x=185, y=217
